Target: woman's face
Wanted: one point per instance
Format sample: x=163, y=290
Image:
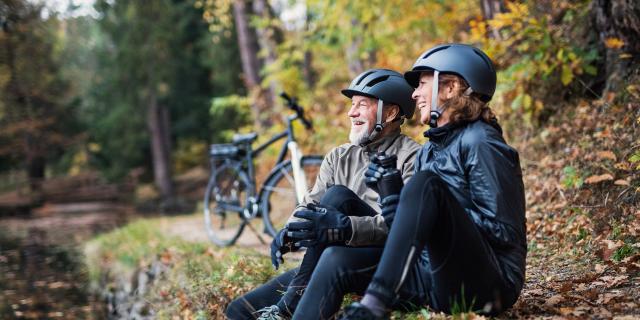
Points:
x=422, y=95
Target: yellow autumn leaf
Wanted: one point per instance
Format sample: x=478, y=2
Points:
x=567, y=75
x=613, y=43
x=598, y=178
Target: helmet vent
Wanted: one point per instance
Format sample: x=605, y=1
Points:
x=377, y=80
x=434, y=51
x=364, y=76
x=484, y=58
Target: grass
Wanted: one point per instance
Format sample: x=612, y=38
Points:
x=199, y=280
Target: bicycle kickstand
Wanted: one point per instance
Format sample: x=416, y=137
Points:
x=257, y=233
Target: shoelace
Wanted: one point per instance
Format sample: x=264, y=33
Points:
x=269, y=313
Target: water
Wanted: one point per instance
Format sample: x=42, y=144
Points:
x=42, y=274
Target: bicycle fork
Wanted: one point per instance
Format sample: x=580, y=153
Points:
x=299, y=178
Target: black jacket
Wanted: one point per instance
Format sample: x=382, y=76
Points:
x=484, y=174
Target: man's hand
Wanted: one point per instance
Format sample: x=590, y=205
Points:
x=280, y=245
x=382, y=175
x=323, y=225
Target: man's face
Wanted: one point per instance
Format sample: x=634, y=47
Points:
x=422, y=95
x=363, y=118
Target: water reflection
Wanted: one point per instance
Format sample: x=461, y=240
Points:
x=42, y=274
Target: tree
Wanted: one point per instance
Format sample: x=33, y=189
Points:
x=154, y=84
x=618, y=25
x=36, y=124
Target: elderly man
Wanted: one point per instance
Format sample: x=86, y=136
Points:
x=351, y=215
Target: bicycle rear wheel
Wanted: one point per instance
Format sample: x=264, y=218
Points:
x=224, y=201
x=278, y=199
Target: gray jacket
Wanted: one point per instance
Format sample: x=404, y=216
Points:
x=345, y=165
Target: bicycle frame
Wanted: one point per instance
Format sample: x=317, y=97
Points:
x=299, y=178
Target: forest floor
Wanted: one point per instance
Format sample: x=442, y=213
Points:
x=582, y=182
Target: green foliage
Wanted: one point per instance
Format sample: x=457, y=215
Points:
x=37, y=119
x=571, y=179
x=160, y=52
x=635, y=159
x=228, y=114
x=537, y=49
x=626, y=250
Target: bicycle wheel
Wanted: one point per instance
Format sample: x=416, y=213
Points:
x=278, y=198
x=224, y=201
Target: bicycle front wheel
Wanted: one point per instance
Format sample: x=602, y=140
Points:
x=224, y=201
x=278, y=198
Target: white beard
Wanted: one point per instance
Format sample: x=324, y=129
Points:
x=358, y=137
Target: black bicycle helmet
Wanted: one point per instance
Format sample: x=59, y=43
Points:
x=387, y=86
x=466, y=61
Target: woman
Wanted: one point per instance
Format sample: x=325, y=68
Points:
x=458, y=239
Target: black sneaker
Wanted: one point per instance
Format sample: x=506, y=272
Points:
x=358, y=311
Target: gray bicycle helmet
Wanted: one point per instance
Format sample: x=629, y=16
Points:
x=466, y=61
x=387, y=86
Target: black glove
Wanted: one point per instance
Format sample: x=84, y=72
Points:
x=323, y=225
x=382, y=175
x=280, y=245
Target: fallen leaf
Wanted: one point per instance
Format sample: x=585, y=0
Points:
x=598, y=178
x=606, y=155
x=554, y=300
x=621, y=182
x=614, y=43
x=611, y=281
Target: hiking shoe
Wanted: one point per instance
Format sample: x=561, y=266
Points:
x=270, y=313
x=357, y=311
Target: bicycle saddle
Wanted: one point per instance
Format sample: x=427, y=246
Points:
x=245, y=138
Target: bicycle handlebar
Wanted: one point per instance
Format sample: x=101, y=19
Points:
x=292, y=103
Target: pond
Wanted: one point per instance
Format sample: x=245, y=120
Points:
x=42, y=272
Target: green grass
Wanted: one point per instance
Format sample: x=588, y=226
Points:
x=200, y=279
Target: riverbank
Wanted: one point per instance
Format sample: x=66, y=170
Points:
x=146, y=271
x=43, y=274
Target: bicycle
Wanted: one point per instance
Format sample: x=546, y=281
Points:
x=231, y=200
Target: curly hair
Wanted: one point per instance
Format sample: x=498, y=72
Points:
x=462, y=107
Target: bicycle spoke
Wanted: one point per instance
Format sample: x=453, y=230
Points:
x=288, y=191
x=287, y=176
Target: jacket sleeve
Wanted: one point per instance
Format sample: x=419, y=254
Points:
x=324, y=180
x=367, y=231
x=492, y=169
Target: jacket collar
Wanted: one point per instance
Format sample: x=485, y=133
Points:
x=383, y=143
x=440, y=134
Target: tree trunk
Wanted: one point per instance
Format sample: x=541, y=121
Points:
x=268, y=39
x=251, y=65
x=157, y=122
x=354, y=64
x=489, y=10
x=618, y=19
x=35, y=163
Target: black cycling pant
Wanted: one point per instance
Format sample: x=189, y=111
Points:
x=434, y=255
x=294, y=282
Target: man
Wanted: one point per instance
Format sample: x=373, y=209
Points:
x=380, y=101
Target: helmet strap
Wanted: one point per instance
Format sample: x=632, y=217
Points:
x=378, y=126
x=436, y=111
